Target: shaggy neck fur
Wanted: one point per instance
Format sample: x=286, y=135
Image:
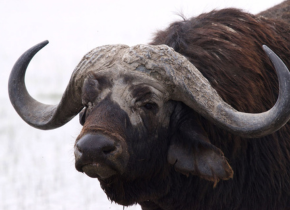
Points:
x=226, y=47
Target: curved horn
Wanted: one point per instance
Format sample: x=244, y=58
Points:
x=36, y=114
x=187, y=84
x=247, y=125
x=207, y=102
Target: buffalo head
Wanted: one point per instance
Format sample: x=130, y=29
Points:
x=138, y=107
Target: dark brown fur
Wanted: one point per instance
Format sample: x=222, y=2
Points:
x=240, y=71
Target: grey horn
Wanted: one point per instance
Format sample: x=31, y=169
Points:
x=247, y=125
x=36, y=114
x=187, y=84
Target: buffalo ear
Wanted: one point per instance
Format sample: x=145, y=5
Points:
x=191, y=152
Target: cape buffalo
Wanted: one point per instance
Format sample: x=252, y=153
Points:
x=197, y=119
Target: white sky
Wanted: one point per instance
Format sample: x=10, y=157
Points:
x=73, y=28
x=87, y=23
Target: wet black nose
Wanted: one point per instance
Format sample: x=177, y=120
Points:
x=94, y=147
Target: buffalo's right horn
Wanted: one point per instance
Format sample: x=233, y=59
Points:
x=36, y=114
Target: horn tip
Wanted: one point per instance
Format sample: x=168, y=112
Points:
x=44, y=43
x=267, y=49
x=269, y=52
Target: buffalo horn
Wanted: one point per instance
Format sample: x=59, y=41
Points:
x=36, y=114
x=247, y=125
x=186, y=83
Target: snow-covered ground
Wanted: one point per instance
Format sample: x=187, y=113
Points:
x=37, y=167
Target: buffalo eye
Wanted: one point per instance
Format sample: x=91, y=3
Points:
x=150, y=106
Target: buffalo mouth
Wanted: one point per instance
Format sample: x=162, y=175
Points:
x=98, y=170
x=99, y=155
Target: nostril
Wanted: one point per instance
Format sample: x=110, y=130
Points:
x=108, y=149
x=77, y=152
x=79, y=148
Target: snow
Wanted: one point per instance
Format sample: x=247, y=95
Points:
x=37, y=167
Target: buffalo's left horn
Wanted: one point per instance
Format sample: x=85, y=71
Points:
x=248, y=125
x=36, y=114
x=187, y=84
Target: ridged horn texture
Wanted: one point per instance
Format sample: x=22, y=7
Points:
x=36, y=114
x=195, y=91
x=160, y=63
